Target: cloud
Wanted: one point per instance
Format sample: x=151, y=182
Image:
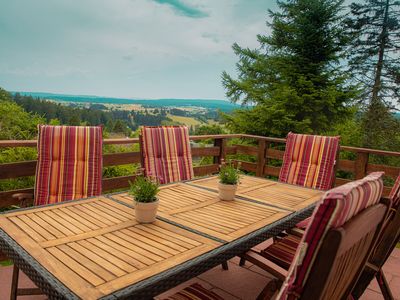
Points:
x=183, y=9
x=124, y=48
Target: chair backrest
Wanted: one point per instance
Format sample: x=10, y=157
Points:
x=69, y=163
x=309, y=160
x=338, y=241
x=166, y=153
x=390, y=234
x=394, y=195
x=387, y=241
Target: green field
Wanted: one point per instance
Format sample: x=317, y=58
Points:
x=189, y=121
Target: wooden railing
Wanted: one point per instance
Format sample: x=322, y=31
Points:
x=265, y=152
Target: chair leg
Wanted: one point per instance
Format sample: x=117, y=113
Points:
x=14, y=283
x=242, y=261
x=225, y=265
x=384, y=286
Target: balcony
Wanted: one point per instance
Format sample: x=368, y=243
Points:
x=259, y=156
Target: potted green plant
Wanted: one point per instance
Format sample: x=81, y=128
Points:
x=228, y=182
x=144, y=191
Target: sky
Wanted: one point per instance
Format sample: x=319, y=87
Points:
x=126, y=48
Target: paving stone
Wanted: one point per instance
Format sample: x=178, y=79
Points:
x=224, y=294
x=24, y=282
x=396, y=253
x=395, y=287
x=374, y=284
x=260, y=271
x=176, y=289
x=392, y=266
x=238, y=281
x=371, y=295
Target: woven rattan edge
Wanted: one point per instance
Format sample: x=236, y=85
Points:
x=48, y=284
x=155, y=285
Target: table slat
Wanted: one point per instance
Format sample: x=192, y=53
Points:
x=270, y=192
x=225, y=220
x=105, y=249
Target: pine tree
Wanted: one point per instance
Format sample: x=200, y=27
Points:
x=294, y=79
x=374, y=61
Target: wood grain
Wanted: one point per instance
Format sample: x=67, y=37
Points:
x=270, y=192
x=95, y=246
x=202, y=210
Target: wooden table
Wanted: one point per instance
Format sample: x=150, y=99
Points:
x=94, y=248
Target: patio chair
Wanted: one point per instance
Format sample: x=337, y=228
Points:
x=342, y=232
x=387, y=241
x=166, y=153
x=69, y=167
x=336, y=245
x=283, y=250
x=308, y=161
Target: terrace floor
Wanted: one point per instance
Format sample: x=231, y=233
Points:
x=236, y=283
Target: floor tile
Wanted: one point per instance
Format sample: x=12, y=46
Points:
x=238, y=281
x=371, y=295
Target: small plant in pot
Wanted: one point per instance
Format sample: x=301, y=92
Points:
x=228, y=182
x=144, y=191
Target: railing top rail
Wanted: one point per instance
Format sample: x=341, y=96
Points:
x=370, y=151
x=121, y=141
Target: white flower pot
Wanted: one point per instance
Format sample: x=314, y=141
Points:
x=146, y=212
x=227, y=191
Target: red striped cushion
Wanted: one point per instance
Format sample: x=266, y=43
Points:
x=395, y=193
x=336, y=208
x=69, y=163
x=309, y=160
x=166, y=153
x=195, y=292
x=282, y=251
x=303, y=224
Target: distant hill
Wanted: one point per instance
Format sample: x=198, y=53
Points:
x=210, y=104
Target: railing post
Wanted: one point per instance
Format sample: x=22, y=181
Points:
x=221, y=143
x=361, y=164
x=262, y=146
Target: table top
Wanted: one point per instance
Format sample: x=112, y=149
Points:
x=282, y=195
x=95, y=247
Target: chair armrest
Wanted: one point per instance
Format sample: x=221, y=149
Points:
x=372, y=267
x=265, y=264
x=23, y=196
x=296, y=232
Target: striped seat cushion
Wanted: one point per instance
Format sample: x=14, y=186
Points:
x=195, y=292
x=309, y=160
x=303, y=224
x=69, y=163
x=336, y=207
x=166, y=153
x=282, y=251
x=394, y=195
